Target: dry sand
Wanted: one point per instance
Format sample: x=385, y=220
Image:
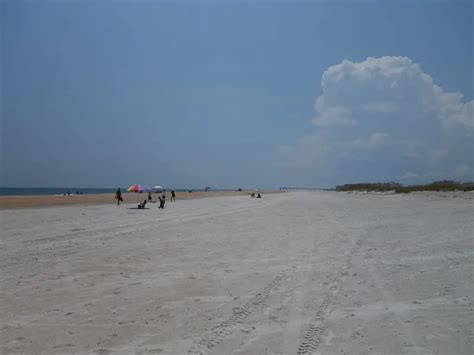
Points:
x=321, y=272
x=14, y=202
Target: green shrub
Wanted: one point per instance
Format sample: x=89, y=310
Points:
x=444, y=185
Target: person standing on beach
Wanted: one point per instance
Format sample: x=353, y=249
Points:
x=162, y=201
x=118, y=196
x=173, y=196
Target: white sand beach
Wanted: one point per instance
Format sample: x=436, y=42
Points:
x=297, y=272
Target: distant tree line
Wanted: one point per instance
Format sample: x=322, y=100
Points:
x=444, y=185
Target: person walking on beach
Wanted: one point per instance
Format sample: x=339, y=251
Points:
x=118, y=196
x=149, y=196
x=173, y=196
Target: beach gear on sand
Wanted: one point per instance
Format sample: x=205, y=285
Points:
x=137, y=188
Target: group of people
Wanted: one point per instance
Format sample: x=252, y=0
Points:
x=161, y=198
x=69, y=193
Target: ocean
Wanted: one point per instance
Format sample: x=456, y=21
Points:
x=35, y=191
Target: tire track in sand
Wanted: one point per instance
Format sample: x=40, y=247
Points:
x=316, y=329
x=217, y=334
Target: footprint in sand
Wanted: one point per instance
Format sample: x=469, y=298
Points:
x=126, y=322
x=102, y=351
x=63, y=346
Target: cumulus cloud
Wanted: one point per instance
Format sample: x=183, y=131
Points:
x=384, y=85
x=385, y=118
x=330, y=115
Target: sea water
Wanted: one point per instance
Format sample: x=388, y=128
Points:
x=35, y=191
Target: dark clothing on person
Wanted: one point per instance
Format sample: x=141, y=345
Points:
x=173, y=196
x=149, y=197
x=162, y=201
x=118, y=196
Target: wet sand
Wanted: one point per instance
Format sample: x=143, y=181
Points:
x=303, y=272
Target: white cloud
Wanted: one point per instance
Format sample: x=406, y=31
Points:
x=335, y=114
x=453, y=111
x=386, y=85
x=384, y=118
x=381, y=107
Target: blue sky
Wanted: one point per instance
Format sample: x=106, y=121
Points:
x=204, y=93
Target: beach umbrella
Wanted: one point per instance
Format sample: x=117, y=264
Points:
x=138, y=188
x=158, y=187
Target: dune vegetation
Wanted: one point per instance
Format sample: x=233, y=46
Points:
x=444, y=185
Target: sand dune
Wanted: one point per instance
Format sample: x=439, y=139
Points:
x=320, y=272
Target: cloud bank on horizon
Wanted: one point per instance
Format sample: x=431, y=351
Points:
x=385, y=119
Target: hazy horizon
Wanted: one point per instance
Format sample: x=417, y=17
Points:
x=235, y=94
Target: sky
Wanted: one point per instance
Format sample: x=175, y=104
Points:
x=235, y=93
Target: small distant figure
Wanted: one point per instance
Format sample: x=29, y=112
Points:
x=149, y=196
x=142, y=205
x=259, y=196
x=118, y=196
x=173, y=196
x=162, y=199
x=252, y=194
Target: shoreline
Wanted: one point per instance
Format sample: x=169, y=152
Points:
x=44, y=201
